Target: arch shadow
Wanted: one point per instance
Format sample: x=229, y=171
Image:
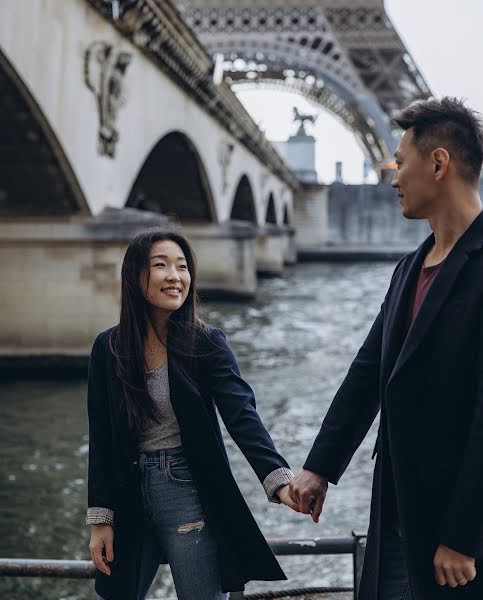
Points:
x=270, y=215
x=243, y=207
x=36, y=178
x=173, y=181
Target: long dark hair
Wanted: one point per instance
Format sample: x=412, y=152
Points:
x=127, y=339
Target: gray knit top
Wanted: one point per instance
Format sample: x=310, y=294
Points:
x=164, y=433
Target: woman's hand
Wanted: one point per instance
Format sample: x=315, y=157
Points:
x=102, y=537
x=284, y=497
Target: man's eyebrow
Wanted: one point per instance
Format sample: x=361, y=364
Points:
x=165, y=256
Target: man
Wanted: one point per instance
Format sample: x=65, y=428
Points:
x=422, y=367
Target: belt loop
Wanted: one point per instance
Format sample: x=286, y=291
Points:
x=162, y=460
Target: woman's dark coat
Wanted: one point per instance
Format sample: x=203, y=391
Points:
x=428, y=384
x=113, y=473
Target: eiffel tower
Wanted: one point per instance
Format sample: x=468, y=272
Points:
x=343, y=54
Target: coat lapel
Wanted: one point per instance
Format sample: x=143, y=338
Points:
x=396, y=313
x=439, y=291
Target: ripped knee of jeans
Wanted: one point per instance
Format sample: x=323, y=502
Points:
x=188, y=527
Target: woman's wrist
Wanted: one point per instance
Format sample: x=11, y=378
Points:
x=98, y=515
x=275, y=480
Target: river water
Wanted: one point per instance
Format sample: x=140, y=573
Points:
x=294, y=343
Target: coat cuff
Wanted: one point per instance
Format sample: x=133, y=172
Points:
x=96, y=515
x=274, y=480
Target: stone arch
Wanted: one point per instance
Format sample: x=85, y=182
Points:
x=271, y=215
x=36, y=178
x=243, y=207
x=173, y=181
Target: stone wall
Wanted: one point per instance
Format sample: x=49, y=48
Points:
x=311, y=215
x=370, y=215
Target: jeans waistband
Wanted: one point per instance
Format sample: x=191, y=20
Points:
x=162, y=455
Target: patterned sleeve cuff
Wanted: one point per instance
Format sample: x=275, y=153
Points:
x=96, y=515
x=274, y=480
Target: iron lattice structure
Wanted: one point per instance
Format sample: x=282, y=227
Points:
x=343, y=54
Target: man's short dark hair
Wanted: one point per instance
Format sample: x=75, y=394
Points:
x=449, y=124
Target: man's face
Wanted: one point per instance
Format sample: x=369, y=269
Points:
x=414, y=180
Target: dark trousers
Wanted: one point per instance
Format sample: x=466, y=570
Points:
x=393, y=573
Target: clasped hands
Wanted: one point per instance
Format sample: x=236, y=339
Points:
x=306, y=494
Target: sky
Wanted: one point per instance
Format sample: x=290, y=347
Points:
x=444, y=38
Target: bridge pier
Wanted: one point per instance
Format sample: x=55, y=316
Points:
x=61, y=278
x=60, y=286
x=270, y=251
x=289, y=246
x=225, y=259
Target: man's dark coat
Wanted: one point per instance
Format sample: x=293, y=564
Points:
x=428, y=384
x=113, y=473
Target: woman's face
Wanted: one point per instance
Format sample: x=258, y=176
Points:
x=169, y=278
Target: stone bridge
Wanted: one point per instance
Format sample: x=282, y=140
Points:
x=106, y=131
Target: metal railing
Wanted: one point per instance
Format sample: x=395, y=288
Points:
x=85, y=569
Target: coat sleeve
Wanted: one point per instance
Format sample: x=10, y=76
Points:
x=235, y=402
x=352, y=411
x=100, y=488
x=462, y=527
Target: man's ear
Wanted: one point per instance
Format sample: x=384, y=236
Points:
x=440, y=159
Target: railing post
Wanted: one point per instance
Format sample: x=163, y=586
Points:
x=358, y=559
x=236, y=596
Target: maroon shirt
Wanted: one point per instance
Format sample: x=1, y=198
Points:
x=425, y=279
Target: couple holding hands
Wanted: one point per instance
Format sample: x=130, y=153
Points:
x=160, y=487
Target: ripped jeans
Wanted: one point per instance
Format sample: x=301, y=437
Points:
x=175, y=528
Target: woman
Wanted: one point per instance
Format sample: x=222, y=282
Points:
x=160, y=486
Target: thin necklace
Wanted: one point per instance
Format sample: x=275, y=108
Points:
x=152, y=349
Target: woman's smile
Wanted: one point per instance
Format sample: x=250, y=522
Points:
x=172, y=291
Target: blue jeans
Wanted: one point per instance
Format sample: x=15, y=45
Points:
x=393, y=576
x=175, y=528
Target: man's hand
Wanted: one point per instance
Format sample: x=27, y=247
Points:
x=308, y=490
x=102, y=536
x=284, y=497
x=453, y=568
